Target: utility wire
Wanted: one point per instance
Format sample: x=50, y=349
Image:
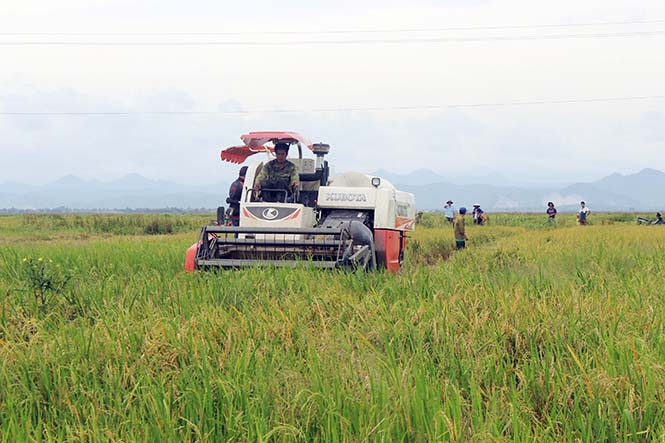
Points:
x=338, y=42
x=347, y=31
x=343, y=109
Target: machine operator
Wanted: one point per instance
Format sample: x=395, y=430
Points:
x=278, y=174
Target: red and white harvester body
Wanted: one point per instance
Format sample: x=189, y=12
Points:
x=352, y=220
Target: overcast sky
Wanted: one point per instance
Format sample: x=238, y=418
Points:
x=550, y=142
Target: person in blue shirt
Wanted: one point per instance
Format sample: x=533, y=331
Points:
x=551, y=213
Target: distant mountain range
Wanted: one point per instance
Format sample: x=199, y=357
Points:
x=642, y=191
x=129, y=192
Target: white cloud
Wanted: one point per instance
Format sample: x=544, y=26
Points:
x=562, y=141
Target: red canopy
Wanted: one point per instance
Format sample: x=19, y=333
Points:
x=255, y=143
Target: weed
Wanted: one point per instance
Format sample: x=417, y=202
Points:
x=43, y=278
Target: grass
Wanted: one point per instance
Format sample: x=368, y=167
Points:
x=53, y=226
x=531, y=334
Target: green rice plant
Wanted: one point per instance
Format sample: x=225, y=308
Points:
x=531, y=220
x=530, y=334
x=93, y=224
x=158, y=227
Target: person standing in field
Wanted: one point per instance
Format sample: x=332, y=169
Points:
x=583, y=215
x=551, y=213
x=478, y=214
x=235, y=193
x=449, y=210
x=458, y=227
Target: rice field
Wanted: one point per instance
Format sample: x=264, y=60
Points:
x=533, y=333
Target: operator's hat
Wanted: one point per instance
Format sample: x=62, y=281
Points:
x=449, y=201
x=476, y=204
x=242, y=172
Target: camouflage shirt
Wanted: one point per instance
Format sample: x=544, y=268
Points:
x=276, y=176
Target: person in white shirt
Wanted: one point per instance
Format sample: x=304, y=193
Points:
x=449, y=210
x=583, y=215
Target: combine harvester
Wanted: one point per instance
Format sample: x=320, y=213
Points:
x=349, y=221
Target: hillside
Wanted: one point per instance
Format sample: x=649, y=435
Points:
x=641, y=191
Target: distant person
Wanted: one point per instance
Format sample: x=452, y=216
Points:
x=478, y=214
x=278, y=174
x=235, y=194
x=583, y=215
x=458, y=227
x=659, y=219
x=551, y=212
x=449, y=210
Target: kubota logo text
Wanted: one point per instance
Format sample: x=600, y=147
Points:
x=345, y=197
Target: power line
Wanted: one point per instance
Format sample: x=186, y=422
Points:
x=347, y=31
x=339, y=42
x=343, y=109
